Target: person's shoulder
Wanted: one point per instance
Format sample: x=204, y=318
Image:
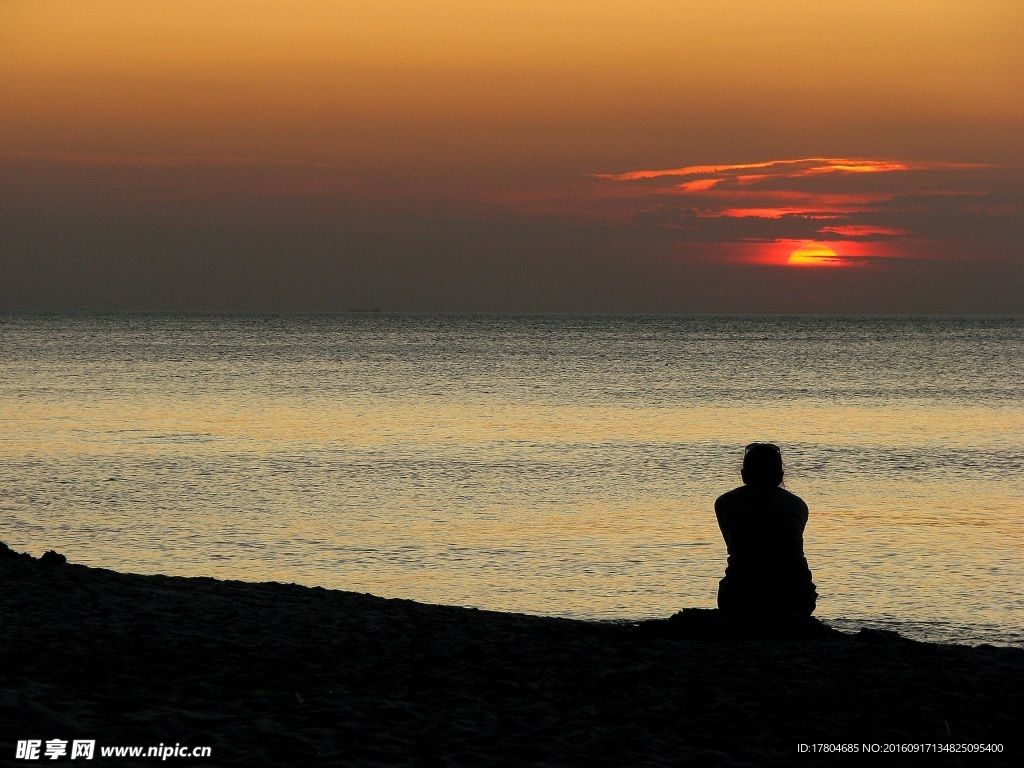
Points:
x=792, y=499
x=731, y=498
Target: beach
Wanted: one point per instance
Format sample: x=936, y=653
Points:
x=279, y=674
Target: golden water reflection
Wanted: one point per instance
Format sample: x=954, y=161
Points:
x=577, y=511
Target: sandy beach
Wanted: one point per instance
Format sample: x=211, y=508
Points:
x=283, y=675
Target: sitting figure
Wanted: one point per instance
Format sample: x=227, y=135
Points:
x=763, y=525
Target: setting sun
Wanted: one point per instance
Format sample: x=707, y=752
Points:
x=814, y=255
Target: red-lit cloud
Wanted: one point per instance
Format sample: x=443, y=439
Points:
x=848, y=211
x=812, y=166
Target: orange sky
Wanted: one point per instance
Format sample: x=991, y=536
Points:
x=426, y=132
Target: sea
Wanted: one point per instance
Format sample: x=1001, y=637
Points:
x=561, y=465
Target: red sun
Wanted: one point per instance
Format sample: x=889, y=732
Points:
x=814, y=255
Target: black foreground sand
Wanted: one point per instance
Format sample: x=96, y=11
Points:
x=274, y=674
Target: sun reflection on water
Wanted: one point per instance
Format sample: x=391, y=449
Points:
x=564, y=489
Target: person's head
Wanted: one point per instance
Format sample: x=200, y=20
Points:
x=762, y=465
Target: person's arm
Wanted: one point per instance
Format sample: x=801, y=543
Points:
x=804, y=513
x=723, y=517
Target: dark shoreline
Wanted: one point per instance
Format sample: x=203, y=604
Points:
x=276, y=674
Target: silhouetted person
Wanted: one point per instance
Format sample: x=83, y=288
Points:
x=763, y=525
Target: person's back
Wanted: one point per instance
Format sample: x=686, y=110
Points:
x=763, y=526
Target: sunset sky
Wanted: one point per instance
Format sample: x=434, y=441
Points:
x=466, y=155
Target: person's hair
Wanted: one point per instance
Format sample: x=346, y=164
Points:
x=762, y=465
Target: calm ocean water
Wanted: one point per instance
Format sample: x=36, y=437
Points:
x=553, y=465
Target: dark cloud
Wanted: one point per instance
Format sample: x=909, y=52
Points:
x=995, y=217
x=237, y=236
